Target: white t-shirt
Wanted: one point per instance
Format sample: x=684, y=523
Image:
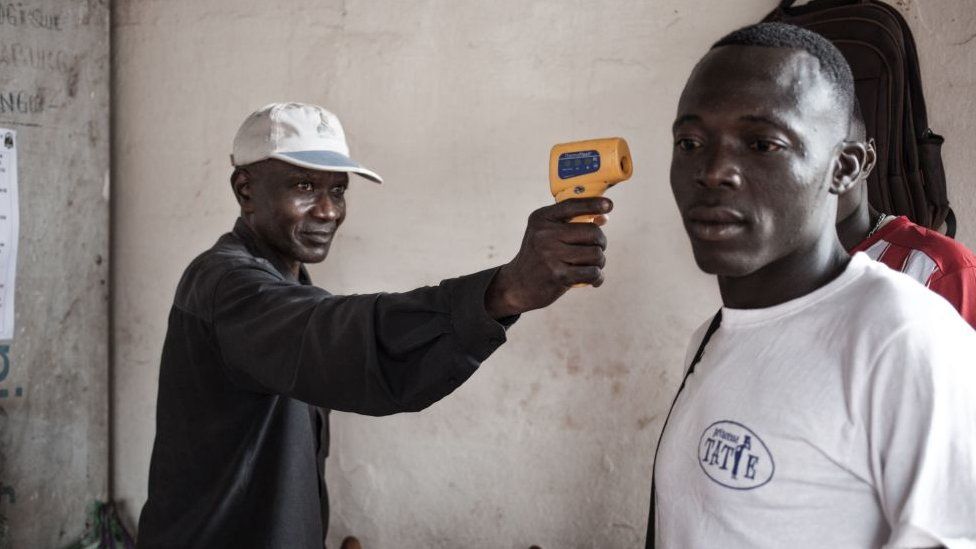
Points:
x=845, y=418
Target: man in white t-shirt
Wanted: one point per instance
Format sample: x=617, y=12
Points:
x=835, y=403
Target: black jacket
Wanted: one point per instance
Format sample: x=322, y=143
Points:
x=252, y=361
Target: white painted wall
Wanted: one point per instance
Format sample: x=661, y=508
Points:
x=456, y=103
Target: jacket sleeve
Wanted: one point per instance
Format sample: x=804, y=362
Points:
x=374, y=354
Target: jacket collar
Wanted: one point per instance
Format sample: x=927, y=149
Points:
x=257, y=248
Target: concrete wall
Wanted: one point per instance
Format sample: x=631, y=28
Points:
x=457, y=104
x=946, y=34
x=54, y=58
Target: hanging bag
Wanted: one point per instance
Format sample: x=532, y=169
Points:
x=909, y=178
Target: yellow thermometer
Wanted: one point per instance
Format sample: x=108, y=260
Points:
x=582, y=169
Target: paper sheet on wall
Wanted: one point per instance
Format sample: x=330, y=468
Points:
x=9, y=229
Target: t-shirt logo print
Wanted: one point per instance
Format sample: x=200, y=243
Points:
x=734, y=456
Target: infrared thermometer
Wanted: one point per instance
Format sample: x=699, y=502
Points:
x=582, y=169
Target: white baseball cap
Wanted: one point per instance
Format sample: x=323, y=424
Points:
x=307, y=136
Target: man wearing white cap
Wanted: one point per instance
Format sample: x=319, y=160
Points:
x=255, y=356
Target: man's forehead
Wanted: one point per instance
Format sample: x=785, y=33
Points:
x=758, y=78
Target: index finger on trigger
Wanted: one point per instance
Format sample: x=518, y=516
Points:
x=574, y=207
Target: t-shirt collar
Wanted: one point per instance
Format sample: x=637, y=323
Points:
x=741, y=317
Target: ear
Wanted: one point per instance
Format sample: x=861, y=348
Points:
x=870, y=159
x=242, y=183
x=849, y=166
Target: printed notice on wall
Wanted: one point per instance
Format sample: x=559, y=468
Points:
x=9, y=228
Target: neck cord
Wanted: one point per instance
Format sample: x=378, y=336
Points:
x=881, y=217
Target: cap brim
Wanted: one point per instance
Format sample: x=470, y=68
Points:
x=329, y=161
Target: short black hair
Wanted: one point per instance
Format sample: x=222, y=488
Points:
x=858, y=130
x=781, y=35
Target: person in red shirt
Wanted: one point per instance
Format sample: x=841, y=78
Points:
x=942, y=264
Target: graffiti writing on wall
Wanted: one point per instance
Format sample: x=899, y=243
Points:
x=17, y=55
x=18, y=15
x=21, y=102
x=4, y=372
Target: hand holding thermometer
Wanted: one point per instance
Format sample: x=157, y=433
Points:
x=588, y=168
x=582, y=169
x=555, y=254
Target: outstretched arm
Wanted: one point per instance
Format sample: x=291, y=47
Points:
x=380, y=354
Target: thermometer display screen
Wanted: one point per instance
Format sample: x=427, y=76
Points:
x=575, y=164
